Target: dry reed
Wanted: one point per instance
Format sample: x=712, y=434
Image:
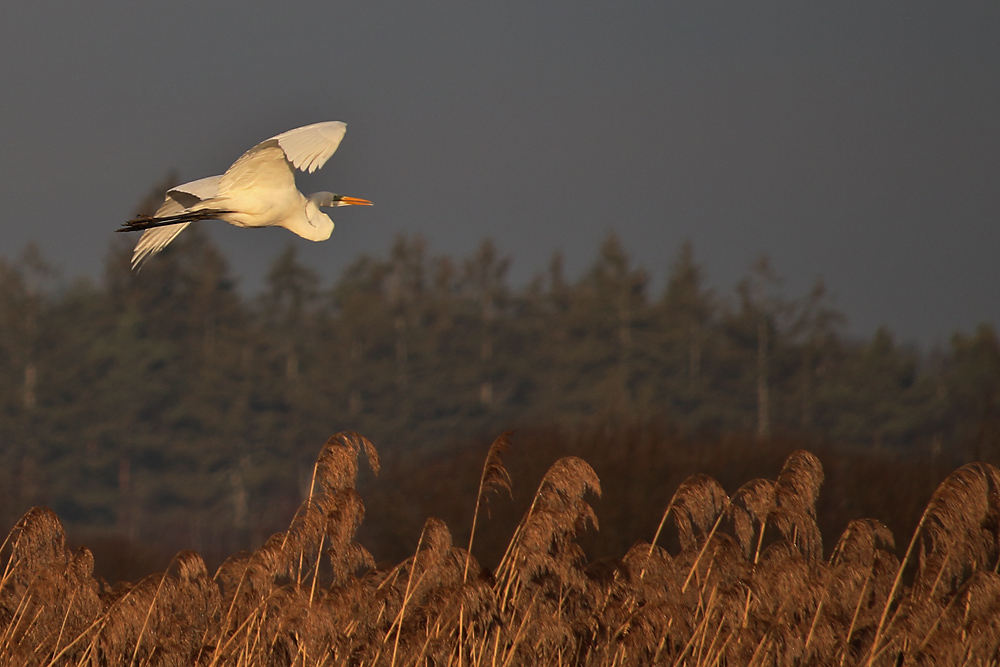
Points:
x=747, y=584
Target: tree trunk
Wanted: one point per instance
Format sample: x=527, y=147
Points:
x=763, y=395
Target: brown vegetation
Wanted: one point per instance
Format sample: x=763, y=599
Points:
x=748, y=583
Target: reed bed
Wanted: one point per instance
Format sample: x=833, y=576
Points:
x=749, y=584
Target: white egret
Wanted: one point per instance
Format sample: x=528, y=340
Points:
x=258, y=190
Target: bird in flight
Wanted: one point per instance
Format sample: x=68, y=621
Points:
x=258, y=190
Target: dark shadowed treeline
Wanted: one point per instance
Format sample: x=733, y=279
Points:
x=166, y=406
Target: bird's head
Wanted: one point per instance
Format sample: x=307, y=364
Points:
x=330, y=199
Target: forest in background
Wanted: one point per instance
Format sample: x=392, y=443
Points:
x=164, y=409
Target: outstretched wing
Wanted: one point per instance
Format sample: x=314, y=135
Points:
x=270, y=164
x=153, y=241
x=308, y=148
x=178, y=200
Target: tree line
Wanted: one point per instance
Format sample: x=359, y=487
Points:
x=167, y=401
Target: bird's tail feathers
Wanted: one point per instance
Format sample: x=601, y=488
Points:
x=142, y=222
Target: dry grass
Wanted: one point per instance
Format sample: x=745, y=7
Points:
x=748, y=585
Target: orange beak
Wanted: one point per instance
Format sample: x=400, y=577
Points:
x=355, y=201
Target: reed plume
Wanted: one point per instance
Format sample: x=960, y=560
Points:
x=745, y=583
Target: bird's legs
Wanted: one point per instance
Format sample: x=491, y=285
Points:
x=147, y=221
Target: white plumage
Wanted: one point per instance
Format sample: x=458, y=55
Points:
x=258, y=190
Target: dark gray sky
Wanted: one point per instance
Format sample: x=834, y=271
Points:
x=859, y=142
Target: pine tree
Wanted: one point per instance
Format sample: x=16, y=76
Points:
x=684, y=338
x=23, y=302
x=607, y=307
x=972, y=385
x=484, y=281
x=814, y=329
